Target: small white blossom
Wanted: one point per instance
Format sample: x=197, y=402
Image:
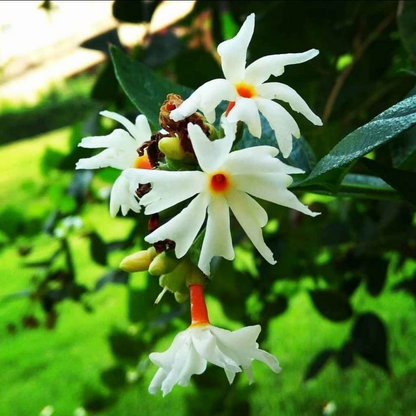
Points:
x=247, y=92
x=225, y=182
x=190, y=351
x=120, y=153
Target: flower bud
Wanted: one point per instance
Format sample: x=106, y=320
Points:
x=172, y=148
x=181, y=297
x=195, y=276
x=162, y=264
x=138, y=262
x=175, y=281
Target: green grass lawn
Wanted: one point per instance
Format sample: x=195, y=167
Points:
x=59, y=368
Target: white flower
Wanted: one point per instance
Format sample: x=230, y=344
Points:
x=120, y=153
x=244, y=88
x=191, y=349
x=225, y=182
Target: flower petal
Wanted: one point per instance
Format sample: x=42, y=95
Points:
x=173, y=376
x=281, y=122
x=157, y=381
x=279, y=91
x=259, y=71
x=165, y=359
x=255, y=159
x=271, y=187
x=243, y=344
x=252, y=217
x=183, y=228
x=210, y=153
x=217, y=240
x=206, y=98
x=123, y=195
x=268, y=359
x=106, y=158
x=144, y=132
x=233, y=52
x=118, y=139
x=247, y=111
x=168, y=188
x=131, y=128
x=195, y=364
x=205, y=345
x=120, y=152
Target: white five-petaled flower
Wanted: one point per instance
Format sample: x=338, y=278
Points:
x=193, y=348
x=120, y=153
x=247, y=93
x=225, y=182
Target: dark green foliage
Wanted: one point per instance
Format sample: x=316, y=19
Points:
x=369, y=340
x=146, y=89
x=318, y=363
x=49, y=116
x=377, y=132
x=403, y=181
x=406, y=20
x=114, y=276
x=98, y=248
x=332, y=305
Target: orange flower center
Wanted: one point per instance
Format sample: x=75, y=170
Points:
x=245, y=90
x=219, y=182
x=142, y=162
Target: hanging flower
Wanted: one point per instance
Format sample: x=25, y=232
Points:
x=227, y=180
x=247, y=93
x=120, y=153
x=202, y=342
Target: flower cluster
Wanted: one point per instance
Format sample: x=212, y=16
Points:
x=191, y=172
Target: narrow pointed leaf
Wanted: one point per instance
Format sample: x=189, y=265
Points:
x=362, y=141
x=146, y=89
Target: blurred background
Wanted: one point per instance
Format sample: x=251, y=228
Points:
x=338, y=309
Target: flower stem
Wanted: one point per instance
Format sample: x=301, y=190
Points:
x=199, y=313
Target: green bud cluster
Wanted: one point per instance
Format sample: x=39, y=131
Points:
x=174, y=275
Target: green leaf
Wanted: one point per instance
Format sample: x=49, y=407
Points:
x=146, y=89
x=114, y=377
x=403, y=181
x=332, y=305
x=318, y=363
x=366, y=186
x=98, y=249
x=369, y=337
x=407, y=26
x=195, y=250
x=403, y=149
x=118, y=277
x=302, y=155
x=362, y=141
x=51, y=159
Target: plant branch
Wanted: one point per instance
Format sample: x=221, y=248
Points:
x=360, y=48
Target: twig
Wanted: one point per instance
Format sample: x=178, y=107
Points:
x=359, y=51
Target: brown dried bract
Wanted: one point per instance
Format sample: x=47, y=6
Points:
x=143, y=189
x=164, y=245
x=152, y=148
x=180, y=128
x=153, y=222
